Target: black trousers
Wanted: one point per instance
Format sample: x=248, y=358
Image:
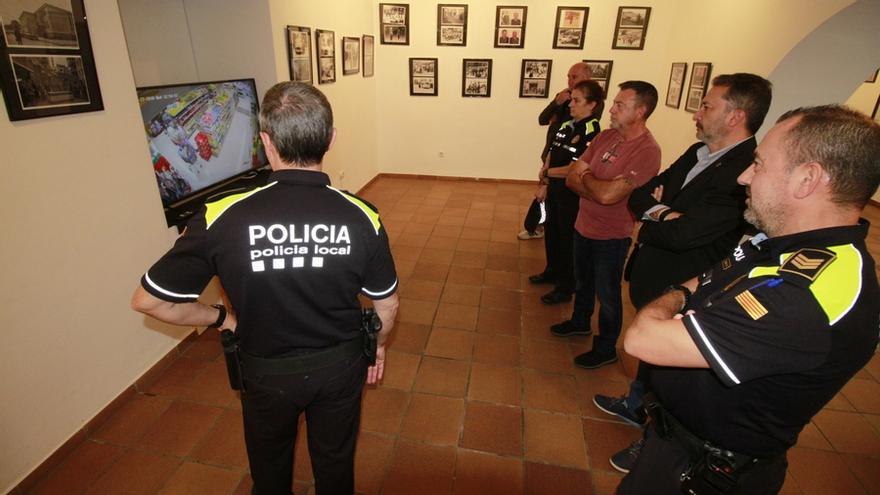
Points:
x=661, y=462
x=331, y=400
x=562, y=210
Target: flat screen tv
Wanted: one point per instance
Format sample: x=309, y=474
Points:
x=201, y=135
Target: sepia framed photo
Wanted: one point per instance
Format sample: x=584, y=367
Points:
x=423, y=77
x=600, y=71
x=535, y=78
x=700, y=74
x=510, y=26
x=394, y=23
x=351, y=55
x=325, y=46
x=631, y=28
x=299, y=53
x=476, y=77
x=368, y=51
x=571, y=27
x=676, y=84
x=452, y=24
x=47, y=68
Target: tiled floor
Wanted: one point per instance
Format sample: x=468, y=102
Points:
x=478, y=397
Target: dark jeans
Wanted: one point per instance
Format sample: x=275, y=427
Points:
x=331, y=399
x=598, y=268
x=562, y=209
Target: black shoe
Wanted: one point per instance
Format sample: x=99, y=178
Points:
x=542, y=278
x=624, y=460
x=618, y=406
x=555, y=297
x=591, y=360
x=566, y=329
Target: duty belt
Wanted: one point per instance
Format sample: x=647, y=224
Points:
x=258, y=366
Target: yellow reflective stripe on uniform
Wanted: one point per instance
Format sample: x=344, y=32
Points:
x=371, y=215
x=838, y=286
x=217, y=208
x=591, y=126
x=763, y=271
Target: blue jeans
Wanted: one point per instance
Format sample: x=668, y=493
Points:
x=598, y=269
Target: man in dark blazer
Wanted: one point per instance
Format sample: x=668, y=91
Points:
x=692, y=213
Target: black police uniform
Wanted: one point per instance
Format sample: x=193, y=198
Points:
x=784, y=323
x=292, y=256
x=569, y=143
x=553, y=116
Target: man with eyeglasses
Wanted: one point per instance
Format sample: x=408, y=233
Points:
x=618, y=161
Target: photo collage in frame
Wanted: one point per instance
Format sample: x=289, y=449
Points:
x=510, y=26
x=676, y=84
x=631, y=28
x=535, y=78
x=700, y=75
x=394, y=23
x=476, y=77
x=600, y=71
x=452, y=24
x=571, y=27
x=299, y=53
x=423, y=77
x=325, y=45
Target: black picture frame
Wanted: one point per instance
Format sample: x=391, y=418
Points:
x=44, y=73
x=299, y=54
x=534, y=79
x=368, y=53
x=677, y=76
x=394, y=23
x=701, y=72
x=476, y=78
x=510, y=26
x=600, y=71
x=875, y=115
x=631, y=28
x=325, y=48
x=351, y=55
x=571, y=27
x=452, y=22
x=423, y=76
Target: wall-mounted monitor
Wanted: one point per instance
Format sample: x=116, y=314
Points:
x=201, y=135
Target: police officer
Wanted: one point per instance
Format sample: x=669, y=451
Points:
x=292, y=256
x=775, y=330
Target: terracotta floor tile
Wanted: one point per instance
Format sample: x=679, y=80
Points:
x=448, y=220
x=475, y=234
x=539, y=328
x=496, y=384
x=371, y=462
x=450, y=343
x=420, y=469
x=195, y=479
x=135, y=473
x=497, y=349
x=132, y=419
x=400, y=369
x=404, y=268
x=547, y=479
x=416, y=311
x=440, y=242
x=505, y=248
x=501, y=299
x=456, y=316
x=433, y=419
x=411, y=240
x=503, y=263
x=531, y=265
x=80, y=470
x=447, y=231
x=840, y=403
x=812, y=438
x=606, y=438
x=433, y=255
x=414, y=227
x=499, y=321
x=606, y=482
x=422, y=290
x=177, y=379
x=549, y=392
x=864, y=395
x=469, y=259
x=409, y=337
x=547, y=356
x=223, y=445
x=206, y=346
x=382, y=409
x=472, y=245
x=302, y=461
x=866, y=469
x=873, y=367
x=818, y=472
x=441, y=376
x=493, y=428
x=465, y=276
x=406, y=253
x=848, y=432
x=554, y=438
x=481, y=223
x=502, y=280
x=468, y=295
x=180, y=428
x=480, y=474
x=211, y=386
x=431, y=271
x=874, y=420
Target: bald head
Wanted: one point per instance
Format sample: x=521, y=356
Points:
x=577, y=73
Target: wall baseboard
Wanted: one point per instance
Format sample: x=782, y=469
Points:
x=448, y=178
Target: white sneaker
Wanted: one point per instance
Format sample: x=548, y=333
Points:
x=526, y=235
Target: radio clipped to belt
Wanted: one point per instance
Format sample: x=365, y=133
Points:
x=371, y=324
x=231, y=352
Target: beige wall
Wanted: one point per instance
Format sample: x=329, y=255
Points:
x=865, y=100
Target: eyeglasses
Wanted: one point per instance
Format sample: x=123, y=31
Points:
x=611, y=155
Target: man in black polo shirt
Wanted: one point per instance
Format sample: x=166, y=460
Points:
x=292, y=256
x=775, y=330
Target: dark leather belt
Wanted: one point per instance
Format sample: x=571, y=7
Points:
x=258, y=366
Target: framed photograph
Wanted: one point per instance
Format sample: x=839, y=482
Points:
x=510, y=26
x=876, y=113
x=452, y=24
x=47, y=68
x=600, y=71
x=476, y=77
x=423, y=77
x=631, y=28
x=872, y=77
x=676, y=84
x=700, y=76
x=325, y=45
x=394, y=23
x=571, y=27
x=351, y=55
x=368, y=42
x=535, y=78
x=299, y=53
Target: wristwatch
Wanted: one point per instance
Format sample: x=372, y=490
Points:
x=220, y=318
x=684, y=290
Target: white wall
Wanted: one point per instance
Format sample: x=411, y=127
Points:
x=864, y=99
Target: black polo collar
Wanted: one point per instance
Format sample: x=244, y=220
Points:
x=819, y=238
x=303, y=177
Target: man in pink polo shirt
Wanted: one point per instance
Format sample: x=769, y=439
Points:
x=618, y=160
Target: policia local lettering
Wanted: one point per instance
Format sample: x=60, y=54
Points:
x=278, y=234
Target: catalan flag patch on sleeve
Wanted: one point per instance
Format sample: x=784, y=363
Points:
x=751, y=305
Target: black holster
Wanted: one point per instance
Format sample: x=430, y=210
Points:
x=371, y=324
x=232, y=353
